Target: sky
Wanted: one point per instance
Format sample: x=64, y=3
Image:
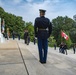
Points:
x=29, y=9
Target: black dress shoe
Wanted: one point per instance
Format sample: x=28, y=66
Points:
x=42, y=62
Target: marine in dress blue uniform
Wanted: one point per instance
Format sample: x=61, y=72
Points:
x=26, y=37
x=43, y=29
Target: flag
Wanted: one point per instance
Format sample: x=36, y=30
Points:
x=64, y=35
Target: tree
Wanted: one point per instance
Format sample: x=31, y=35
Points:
x=61, y=23
x=52, y=41
x=73, y=35
x=74, y=17
x=13, y=22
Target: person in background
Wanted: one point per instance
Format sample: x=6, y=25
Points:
x=65, y=48
x=61, y=47
x=13, y=35
x=28, y=40
x=26, y=37
x=55, y=46
x=34, y=40
x=74, y=47
x=18, y=36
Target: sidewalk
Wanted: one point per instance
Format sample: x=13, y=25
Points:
x=57, y=63
x=16, y=58
x=10, y=59
x=9, y=44
x=34, y=50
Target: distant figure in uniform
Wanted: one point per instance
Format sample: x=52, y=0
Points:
x=74, y=46
x=5, y=35
x=61, y=49
x=13, y=35
x=55, y=46
x=26, y=37
x=43, y=29
x=65, y=48
x=34, y=40
x=18, y=36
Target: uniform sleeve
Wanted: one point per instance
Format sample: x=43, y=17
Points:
x=50, y=29
x=35, y=27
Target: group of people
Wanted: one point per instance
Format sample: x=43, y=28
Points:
x=14, y=34
x=43, y=30
x=63, y=48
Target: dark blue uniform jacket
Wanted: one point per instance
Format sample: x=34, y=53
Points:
x=42, y=27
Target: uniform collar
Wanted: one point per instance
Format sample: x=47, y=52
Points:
x=42, y=16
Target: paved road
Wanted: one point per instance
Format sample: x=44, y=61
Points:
x=16, y=58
